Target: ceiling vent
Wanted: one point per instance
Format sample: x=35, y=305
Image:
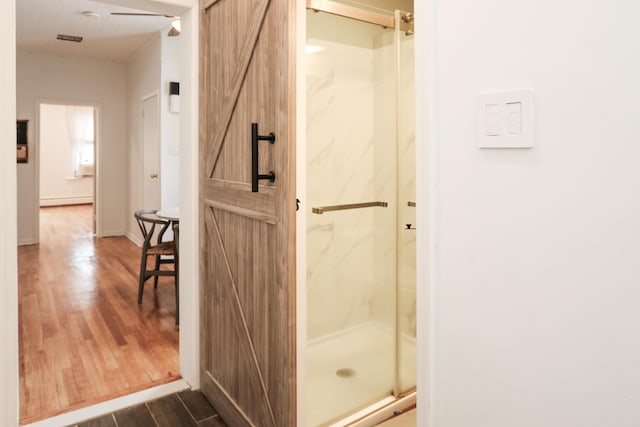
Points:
x=68, y=38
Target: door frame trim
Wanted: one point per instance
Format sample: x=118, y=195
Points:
x=189, y=297
x=8, y=221
x=301, y=217
x=427, y=173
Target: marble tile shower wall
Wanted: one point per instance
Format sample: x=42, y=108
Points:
x=351, y=158
x=340, y=169
x=385, y=220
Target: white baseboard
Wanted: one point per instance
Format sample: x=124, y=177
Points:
x=112, y=233
x=64, y=201
x=25, y=242
x=134, y=238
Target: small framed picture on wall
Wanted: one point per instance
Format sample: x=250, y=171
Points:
x=22, y=155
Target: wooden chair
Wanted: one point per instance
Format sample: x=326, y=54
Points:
x=148, y=221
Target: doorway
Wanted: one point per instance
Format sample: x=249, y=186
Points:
x=78, y=315
x=360, y=213
x=151, y=191
x=67, y=152
x=188, y=11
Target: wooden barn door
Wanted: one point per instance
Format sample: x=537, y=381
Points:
x=247, y=239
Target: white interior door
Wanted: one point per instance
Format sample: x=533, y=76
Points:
x=151, y=152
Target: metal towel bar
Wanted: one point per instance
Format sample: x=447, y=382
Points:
x=322, y=209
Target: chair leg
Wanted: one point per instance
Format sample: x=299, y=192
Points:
x=155, y=276
x=143, y=268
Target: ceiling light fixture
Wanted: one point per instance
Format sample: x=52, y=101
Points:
x=144, y=14
x=91, y=14
x=68, y=38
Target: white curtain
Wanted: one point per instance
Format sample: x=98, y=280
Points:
x=80, y=123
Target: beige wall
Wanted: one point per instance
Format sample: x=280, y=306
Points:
x=142, y=79
x=151, y=70
x=41, y=77
x=170, y=122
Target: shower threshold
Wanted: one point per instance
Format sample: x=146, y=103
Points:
x=378, y=412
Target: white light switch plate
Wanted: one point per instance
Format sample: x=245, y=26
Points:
x=505, y=119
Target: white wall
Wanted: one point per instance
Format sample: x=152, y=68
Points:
x=68, y=79
x=58, y=185
x=169, y=123
x=149, y=71
x=143, y=79
x=535, y=275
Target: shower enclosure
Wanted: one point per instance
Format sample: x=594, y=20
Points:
x=360, y=201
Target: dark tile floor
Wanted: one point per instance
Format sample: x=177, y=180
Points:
x=185, y=409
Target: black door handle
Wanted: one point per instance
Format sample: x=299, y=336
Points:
x=255, y=175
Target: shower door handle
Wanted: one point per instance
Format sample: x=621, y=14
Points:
x=255, y=175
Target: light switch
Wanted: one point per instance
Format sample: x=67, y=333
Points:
x=492, y=120
x=505, y=119
x=514, y=118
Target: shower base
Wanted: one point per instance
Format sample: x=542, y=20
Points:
x=350, y=370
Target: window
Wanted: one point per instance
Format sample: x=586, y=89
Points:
x=80, y=121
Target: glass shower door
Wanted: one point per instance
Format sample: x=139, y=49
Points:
x=351, y=250
x=406, y=292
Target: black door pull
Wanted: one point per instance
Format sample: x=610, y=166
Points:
x=255, y=175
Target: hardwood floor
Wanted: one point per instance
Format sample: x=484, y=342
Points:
x=185, y=409
x=83, y=338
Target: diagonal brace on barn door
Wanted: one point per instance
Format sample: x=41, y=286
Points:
x=217, y=238
x=231, y=97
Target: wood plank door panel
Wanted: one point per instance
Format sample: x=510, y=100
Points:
x=247, y=239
